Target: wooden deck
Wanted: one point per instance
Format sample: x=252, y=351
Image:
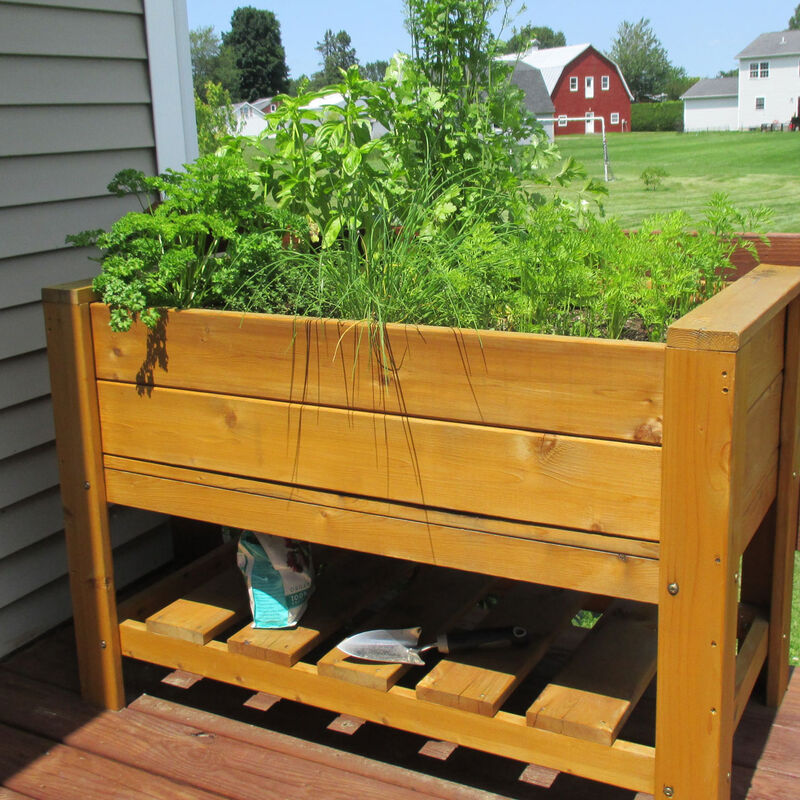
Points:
x=211, y=741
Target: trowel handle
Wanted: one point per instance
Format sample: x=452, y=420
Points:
x=482, y=639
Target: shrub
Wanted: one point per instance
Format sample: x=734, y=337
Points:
x=666, y=116
x=652, y=177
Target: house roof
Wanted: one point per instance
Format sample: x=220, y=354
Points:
x=780, y=43
x=530, y=80
x=713, y=87
x=261, y=103
x=552, y=61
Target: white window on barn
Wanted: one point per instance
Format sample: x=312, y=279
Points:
x=573, y=83
x=562, y=120
x=759, y=103
x=764, y=71
x=615, y=119
x=605, y=83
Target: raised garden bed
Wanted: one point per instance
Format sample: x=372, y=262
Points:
x=637, y=472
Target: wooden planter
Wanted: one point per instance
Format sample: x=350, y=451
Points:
x=631, y=471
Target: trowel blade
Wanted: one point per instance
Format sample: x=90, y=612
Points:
x=388, y=646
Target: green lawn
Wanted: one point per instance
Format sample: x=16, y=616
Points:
x=753, y=168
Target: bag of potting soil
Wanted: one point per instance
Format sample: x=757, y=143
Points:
x=279, y=578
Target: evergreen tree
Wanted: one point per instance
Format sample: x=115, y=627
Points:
x=642, y=58
x=523, y=38
x=337, y=54
x=794, y=20
x=255, y=37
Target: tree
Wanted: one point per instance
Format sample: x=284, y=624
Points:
x=728, y=73
x=523, y=38
x=212, y=62
x=216, y=119
x=794, y=20
x=374, y=70
x=641, y=57
x=337, y=54
x=678, y=82
x=255, y=37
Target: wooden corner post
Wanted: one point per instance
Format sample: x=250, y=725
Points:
x=74, y=392
x=724, y=379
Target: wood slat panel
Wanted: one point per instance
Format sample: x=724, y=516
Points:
x=278, y=496
x=72, y=32
x=481, y=681
x=204, y=612
x=347, y=585
x=749, y=661
x=731, y=318
x=578, y=483
x=576, y=567
x=434, y=600
x=586, y=387
x=624, y=764
x=762, y=359
x=593, y=696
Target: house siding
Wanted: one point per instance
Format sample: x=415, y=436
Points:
x=781, y=91
x=76, y=106
x=614, y=100
x=710, y=114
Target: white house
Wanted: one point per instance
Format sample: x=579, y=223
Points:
x=769, y=80
x=712, y=104
x=766, y=91
x=250, y=121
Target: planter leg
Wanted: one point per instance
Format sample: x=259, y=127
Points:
x=698, y=578
x=83, y=493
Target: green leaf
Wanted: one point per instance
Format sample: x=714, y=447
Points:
x=351, y=162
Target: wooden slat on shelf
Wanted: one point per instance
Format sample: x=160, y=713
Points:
x=763, y=359
x=481, y=681
x=204, y=612
x=597, y=388
x=590, y=484
x=749, y=661
x=435, y=599
x=341, y=591
x=596, y=691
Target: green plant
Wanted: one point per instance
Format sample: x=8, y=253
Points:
x=652, y=177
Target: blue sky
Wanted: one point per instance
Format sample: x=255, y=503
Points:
x=703, y=36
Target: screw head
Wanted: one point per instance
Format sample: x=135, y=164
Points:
x=673, y=589
x=668, y=791
x=86, y=484
x=102, y=644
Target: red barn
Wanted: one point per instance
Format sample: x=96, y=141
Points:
x=583, y=83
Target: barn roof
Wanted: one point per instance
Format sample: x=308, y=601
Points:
x=713, y=87
x=780, y=43
x=552, y=61
x=530, y=80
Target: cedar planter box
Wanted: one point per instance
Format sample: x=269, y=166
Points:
x=636, y=472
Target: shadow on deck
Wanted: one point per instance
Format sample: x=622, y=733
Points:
x=204, y=742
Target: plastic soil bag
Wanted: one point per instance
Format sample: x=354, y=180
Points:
x=279, y=578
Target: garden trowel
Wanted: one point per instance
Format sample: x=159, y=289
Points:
x=401, y=646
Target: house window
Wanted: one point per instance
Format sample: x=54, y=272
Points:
x=615, y=119
x=573, y=83
x=589, y=86
x=759, y=103
x=562, y=120
x=764, y=72
x=605, y=83
x=759, y=69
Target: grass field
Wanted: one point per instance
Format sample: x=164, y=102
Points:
x=753, y=168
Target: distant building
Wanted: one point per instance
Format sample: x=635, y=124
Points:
x=584, y=83
x=537, y=98
x=712, y=104
x=250, y=121
x=766, y=92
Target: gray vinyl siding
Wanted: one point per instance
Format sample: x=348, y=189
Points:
x=75, y=108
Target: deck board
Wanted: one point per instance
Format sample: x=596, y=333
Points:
x=173, y=743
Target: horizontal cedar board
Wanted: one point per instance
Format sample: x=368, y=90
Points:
x=731, y=318
x=281, y=500
x=585, y=387
x=579, y=483
x=780, y=248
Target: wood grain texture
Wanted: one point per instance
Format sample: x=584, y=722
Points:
x=703, y=458
x=731, y=318
x=572, y=482
x=598, y=388
x=481, y=681
x=205, y=611
x=749, y=661
x=625, y=764
x=435, y=600
x=595, y=693
x=83, y=495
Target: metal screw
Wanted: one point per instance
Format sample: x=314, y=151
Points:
x=86, y=484
x=102, y=644
x=673, y=588
x=668, y=791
